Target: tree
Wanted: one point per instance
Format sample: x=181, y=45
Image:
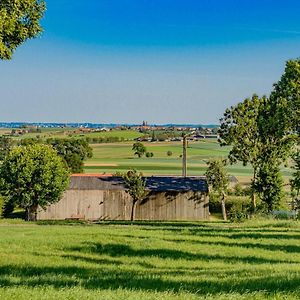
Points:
x=240, y=129
x=19, y=21
x=256, y=131
x=5, y=146
x=73, y=151
x=136, y=186
x=139, y=149
x=169, y=153
x=269, y=184
x=218, y=180
x=32, y=176
x=286, y=93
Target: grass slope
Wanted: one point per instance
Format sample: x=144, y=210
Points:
x=150, y=261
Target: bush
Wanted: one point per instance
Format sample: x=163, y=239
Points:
x=169, y=153
x=284, y=214
x=7, y=208
x=237, y=207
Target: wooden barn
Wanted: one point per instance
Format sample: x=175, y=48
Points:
x=105, y=198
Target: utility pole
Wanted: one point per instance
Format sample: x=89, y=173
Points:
x=184, y=163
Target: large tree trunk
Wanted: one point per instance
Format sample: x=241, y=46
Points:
x=31, y=213
x=223, y=208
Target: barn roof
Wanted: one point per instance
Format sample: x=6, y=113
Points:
x=153, y=183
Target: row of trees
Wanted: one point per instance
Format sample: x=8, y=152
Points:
x=264, y=133
x=73, y=151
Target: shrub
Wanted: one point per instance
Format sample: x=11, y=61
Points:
x=7, y=208
x=169, y=153
x=238, y=207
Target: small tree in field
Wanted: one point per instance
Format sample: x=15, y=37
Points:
x=169, y=153
x=136, y=186
x=32, y=176
x=139, y=149
x=218, y=181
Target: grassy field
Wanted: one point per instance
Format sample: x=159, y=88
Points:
x=257, y=260
x=109, y=158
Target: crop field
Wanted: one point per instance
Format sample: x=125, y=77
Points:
x=253, y=260
x=110, y=158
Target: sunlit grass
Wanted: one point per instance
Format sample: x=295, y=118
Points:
x=150, y=260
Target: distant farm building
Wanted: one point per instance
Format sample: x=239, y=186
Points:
x=105, y=198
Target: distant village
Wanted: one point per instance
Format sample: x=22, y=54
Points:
x=150, y=133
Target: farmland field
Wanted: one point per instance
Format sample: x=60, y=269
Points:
x=72, y=132
x=254, y=260
x=109, y=158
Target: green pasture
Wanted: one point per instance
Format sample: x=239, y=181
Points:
x=257, y=260
x=118, y=157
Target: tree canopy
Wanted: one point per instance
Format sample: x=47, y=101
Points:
x=218, y=180
x=19, y=21
x=136, y=188
x=32, y=176
x=73, y=151
x=139, y=149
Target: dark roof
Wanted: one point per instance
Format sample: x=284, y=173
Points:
x=154, y=183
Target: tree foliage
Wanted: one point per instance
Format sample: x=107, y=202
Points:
x=269, y=184
x=136, y=186
x=295, y=181
x=218, y=180
x=32, y=176
x=139, y=149
x=73, y=151
x=19, y=21
x=286, y=93
x=262, y=133
x=6, y=144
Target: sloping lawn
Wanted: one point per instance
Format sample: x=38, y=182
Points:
x=255, y=260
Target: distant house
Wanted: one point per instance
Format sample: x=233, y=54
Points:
x=93, y=197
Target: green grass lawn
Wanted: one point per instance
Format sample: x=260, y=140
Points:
x=111, y=158
x=257, y=260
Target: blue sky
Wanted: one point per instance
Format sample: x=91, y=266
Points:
x=164, y=61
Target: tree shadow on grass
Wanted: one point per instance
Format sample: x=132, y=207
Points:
x=118, y=250
x=104, y=279
x=93, y=260
x=271, y=247
x=240, y=234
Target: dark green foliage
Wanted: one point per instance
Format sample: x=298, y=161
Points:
x=19, y=21
x=238, y=207
x=139, y=149
x=32, y=176
x=7, y=208
x=169, y=153
x=73, y=151
x=149, y=154
x=286, y=94
x=5, y=145
x=269, y=185
x=295, y=181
